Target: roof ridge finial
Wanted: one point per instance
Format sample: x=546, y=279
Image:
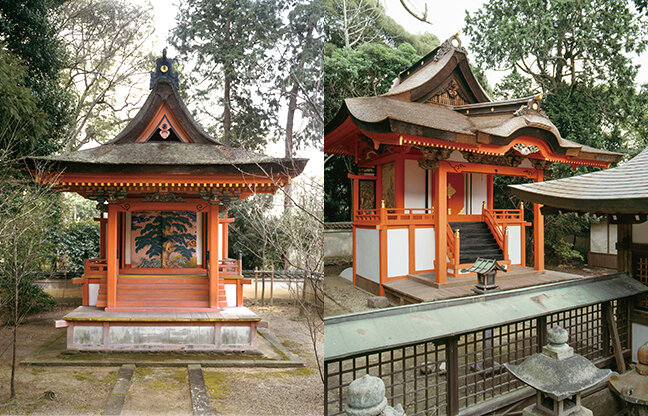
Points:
x=164, y=69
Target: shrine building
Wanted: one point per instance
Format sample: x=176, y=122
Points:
x=163, y=278
x=426, y=154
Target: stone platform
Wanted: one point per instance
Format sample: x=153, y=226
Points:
x=93, y=329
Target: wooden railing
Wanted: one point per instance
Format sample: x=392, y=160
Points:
x=454, y=249
x=505, y=216
x=394, y=216
x=95, y=267
x=500, y=234
x=229, y=267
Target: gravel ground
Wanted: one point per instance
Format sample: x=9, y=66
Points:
x=84, y=390
x=78, y=390
x=248, y=392
x=346, y=297
x=158, y=391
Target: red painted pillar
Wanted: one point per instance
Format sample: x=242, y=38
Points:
x=213, y=256
x=111, y=257
x=224, y=239
x=441, y=224
x=538, y=230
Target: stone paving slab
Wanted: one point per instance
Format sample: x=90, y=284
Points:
x=117, y=397
x=199, y=398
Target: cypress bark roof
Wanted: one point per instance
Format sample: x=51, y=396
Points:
x=440, y=98
x=620, y=190
x=164, y=138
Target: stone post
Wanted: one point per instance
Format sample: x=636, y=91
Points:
x=366, y=397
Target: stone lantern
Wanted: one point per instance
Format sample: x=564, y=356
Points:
x=632, y=386
x=559, y=377
x=486, y=270
x=366, y=397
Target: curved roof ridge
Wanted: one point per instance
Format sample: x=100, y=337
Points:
x=435, y=68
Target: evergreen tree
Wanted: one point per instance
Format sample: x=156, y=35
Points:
x=29, y=34
x=230, y=43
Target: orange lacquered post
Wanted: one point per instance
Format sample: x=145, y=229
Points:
x=213, y=256
x=441, y=223
x=538, y=230
x=111, y=257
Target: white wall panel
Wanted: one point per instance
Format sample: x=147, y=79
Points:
x=414, y=185
x=199, y=238
x=515, y=244
x=367, y=254
x=424, y=248
x=477, y=188
x=599, y=237
x=397, y=252
x=613, y=239
x=127, y=237
x=640, y=233
x=230, y=293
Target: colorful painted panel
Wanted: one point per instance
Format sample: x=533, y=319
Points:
x=456, y=193
x=164, y=239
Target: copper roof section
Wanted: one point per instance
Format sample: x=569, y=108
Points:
x=620, y=190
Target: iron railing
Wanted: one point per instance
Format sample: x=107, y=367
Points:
x=448, y=376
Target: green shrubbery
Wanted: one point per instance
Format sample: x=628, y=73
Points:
x=72, y=243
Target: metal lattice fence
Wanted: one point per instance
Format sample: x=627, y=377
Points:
x=443, y=376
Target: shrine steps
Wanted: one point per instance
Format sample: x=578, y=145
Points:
x=141, y=292
x=476, y=240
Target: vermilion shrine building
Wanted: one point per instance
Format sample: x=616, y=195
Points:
x=427, y=152
x=163, y=279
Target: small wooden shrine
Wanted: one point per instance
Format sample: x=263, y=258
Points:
x=620, y=194
x=163, y=279
x=426, y=153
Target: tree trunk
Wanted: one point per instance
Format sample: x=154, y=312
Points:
x=346, y=23
x=15, y=336
x=290, y=119
x=227, y=107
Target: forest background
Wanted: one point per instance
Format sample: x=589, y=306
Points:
x=585, y=67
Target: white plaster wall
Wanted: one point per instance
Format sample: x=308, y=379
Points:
x=603, y=238
x=220, y=241
x=477, y=185
x=639, y=336
x=424, y=248
x=368, y=254
x=93, y=293
x=515, y=244
x=397, y=252
x=599, y=238
x=640, y=233
x=199, y=238
x=127, y=245
x=338, y=243
x=230, y=293
x=414, y=185
x=613, y=239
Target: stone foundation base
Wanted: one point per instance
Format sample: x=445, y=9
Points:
x=232, y=329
